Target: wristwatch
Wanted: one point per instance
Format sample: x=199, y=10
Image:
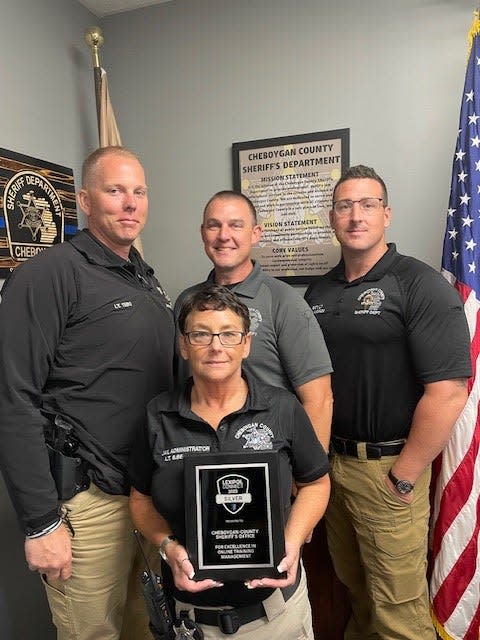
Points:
x=163, y=546
x=402, y=486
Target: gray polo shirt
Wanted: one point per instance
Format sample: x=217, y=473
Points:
x=288, y=348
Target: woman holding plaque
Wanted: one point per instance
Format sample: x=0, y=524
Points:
x=212, y=475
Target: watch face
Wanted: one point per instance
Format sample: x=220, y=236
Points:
x=403, y=486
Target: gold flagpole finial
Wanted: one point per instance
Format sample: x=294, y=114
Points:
x=94, y=39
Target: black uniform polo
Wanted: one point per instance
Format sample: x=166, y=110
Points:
x=87, y=335
x=272, y=419
x=390, y=332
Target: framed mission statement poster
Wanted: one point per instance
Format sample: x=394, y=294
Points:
x=290, y=181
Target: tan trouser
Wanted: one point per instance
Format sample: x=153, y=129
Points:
x=378, y=546
x=291, y=620
x=102, y=600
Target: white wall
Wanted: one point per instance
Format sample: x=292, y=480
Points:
x=47, y=107
x=47, y=110
x=189, y=77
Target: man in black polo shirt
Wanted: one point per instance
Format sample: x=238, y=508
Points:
x=399, y=344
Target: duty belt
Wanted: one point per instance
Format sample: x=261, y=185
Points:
x=374, y=450
x=230, y=620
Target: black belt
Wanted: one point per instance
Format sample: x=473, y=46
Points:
x=374, y=450
x=230, y=620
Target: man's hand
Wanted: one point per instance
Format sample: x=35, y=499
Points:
x=50, y=554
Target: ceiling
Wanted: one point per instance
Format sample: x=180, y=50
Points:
x=103, y=8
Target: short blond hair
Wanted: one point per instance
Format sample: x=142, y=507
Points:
x=90, y=163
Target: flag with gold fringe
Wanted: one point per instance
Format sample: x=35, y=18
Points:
x=455, y=578
x=108, y=130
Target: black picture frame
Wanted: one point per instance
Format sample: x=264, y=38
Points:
x=234, y=515
x=290, y=181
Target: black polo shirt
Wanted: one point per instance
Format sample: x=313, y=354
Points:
x=390, y=332
x=272, y=419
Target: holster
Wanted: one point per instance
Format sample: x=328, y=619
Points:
x=68, y=470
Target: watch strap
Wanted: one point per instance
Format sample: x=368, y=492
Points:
x=402, y=486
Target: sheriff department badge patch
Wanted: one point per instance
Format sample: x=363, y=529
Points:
x=38, y=207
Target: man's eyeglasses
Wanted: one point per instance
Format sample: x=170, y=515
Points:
x=369, y=206
x=205, y=338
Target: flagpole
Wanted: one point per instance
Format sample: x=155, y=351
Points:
x=108, y=134
x=94, y=39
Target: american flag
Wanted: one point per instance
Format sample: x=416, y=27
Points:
x=455, y=579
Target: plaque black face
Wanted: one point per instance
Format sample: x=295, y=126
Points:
x=233, y=515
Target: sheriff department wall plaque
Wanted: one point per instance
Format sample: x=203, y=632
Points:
x=290, y=181
x=37, y=207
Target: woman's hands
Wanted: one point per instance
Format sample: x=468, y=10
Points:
x=183, y=571
x=289, y=563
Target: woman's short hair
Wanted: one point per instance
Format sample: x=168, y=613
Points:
x=213, y=297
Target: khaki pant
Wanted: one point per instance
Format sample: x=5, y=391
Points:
x=102, y=600
x=291, y=620
x=378, y=546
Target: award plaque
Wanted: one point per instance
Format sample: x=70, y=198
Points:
x=233, y=515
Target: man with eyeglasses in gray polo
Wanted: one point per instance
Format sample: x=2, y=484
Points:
x=399, y=343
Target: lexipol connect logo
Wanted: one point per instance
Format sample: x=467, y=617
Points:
x=233, y=492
